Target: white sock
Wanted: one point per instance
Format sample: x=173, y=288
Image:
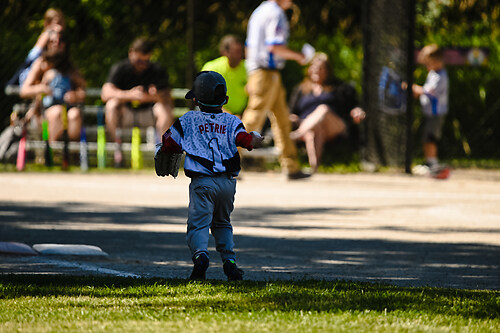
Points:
x=432, y=161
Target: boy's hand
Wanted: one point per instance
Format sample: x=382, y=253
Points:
x=256, y=139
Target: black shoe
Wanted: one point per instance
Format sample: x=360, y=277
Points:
x=440, y=171
x=232, y=271
x=201, y=263
x=298, y=175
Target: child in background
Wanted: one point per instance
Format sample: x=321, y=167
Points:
x=433, y=97
x=209, y=138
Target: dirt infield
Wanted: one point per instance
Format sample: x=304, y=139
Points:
x=389, y=228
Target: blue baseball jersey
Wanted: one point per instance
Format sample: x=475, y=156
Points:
x=434, y=100
x=209, y=140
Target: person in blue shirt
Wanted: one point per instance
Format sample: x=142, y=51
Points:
x=55, y=83
x=53, y=24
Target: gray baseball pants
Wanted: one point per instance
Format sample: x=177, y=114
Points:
x=211, y=201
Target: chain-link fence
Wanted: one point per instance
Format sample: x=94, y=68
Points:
x=387, y=31
x=187, y=34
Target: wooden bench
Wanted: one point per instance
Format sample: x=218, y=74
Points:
x=90, y=113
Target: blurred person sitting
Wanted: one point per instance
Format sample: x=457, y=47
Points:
x=57, y=84
x=321, y=109
x=231, y=66
x=137, y=92
x=53, y=24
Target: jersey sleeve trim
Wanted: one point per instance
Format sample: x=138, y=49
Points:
x=178, y=126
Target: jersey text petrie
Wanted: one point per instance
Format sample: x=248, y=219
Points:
x=211, y=127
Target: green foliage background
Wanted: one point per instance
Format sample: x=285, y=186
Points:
x=101, y=31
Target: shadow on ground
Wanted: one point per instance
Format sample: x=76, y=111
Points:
x=151, y=242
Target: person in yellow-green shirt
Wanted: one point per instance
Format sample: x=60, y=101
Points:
x=231, y=66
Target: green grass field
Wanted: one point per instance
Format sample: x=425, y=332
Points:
x=64, y=303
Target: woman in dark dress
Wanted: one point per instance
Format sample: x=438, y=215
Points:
x=322, y=107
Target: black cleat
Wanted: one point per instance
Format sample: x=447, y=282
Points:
x=201, y=264
x=232, y=271
x=298, y=175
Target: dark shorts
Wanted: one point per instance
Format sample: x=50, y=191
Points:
x=432, y=128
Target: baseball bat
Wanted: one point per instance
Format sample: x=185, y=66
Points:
x=101, y=140
x=84, y=159
x=21, y=152
x=49, y=159
x=118, y=157
x=48, y=151
x=135, y=152
x=21, y=149
x=64, y=116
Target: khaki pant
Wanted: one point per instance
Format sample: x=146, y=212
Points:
x=266, y=93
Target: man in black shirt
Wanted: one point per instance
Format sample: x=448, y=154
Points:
x=137, y=92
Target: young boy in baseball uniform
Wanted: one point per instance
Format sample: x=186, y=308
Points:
x=433, y=97
x=210, y=139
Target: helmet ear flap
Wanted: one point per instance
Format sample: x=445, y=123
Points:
x=220, y=94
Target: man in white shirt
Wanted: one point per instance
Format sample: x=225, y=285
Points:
x=266, y=53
